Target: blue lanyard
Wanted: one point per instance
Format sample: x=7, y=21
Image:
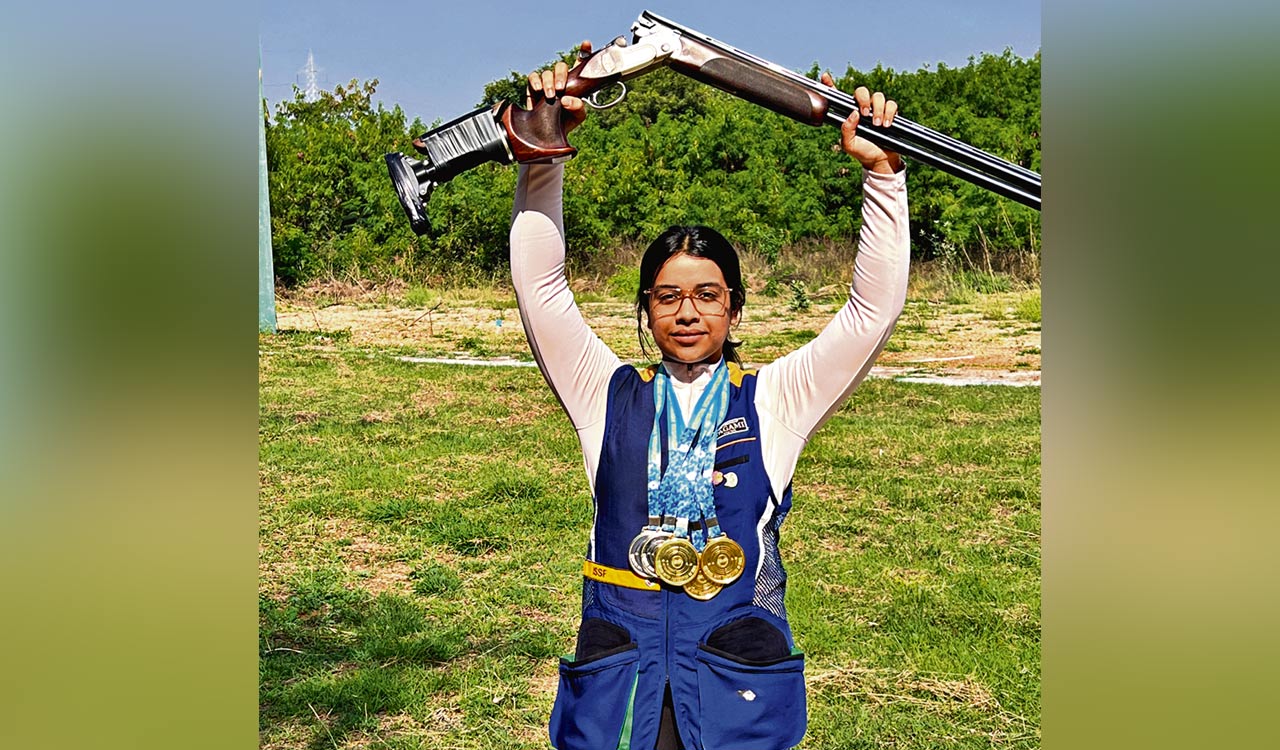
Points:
x=684, y=490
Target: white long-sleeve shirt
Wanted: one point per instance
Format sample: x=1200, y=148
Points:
x=795, y=394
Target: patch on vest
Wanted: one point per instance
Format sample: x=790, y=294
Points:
x=732, y=427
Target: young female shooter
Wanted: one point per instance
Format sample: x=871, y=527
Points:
x=684, y=641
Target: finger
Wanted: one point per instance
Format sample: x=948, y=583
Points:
x=877, y=108
x=863, y=97
x=561, y=75
x=548, y=84
x=826, y=79
x=575, y=108
x=849, y=130
x=890, y=111
x=534, y=89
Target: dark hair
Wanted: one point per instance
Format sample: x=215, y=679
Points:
x=700, y=242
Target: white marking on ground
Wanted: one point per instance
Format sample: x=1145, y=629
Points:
x=960, y=380
x=1013, y=378
x=944, y=359
x=495, y=362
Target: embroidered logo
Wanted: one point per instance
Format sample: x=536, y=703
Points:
x=732, y=427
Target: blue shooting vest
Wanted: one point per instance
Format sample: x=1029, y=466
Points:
x=612, y=698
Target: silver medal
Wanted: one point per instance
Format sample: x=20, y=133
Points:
x=642, y=563
x=649, y=551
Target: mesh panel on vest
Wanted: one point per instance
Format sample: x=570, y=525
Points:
x=588, y=593
x=772, y=583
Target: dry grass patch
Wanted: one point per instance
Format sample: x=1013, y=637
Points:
x=1018, y=615
x=289, y=734
x=377, y=417
x=938, y=694
x=539, y=616
x=910, y=576
x=375, y=572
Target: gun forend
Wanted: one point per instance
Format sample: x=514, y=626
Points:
x=729, y=69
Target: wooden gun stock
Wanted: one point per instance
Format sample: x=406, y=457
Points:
x=537, y=135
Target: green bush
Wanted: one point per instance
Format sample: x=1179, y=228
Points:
x=1028, y=308
x=799, y=296
x=418, y=296
x=625, y=284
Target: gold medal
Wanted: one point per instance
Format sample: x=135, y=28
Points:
x=676, y=561
x=701, y=587
x=722, y=560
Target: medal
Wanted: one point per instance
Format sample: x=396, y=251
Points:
x=722, y=560
x=701, y=587
x=635, y=555
x=676, y=561
x=641, y=563
x=649, y=552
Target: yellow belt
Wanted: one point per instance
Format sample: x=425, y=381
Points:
x=603, y=573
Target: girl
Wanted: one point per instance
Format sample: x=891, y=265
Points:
x=684, y=640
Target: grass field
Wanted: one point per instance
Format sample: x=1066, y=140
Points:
x=422, y=529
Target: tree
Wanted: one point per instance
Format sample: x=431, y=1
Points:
x=333, y=208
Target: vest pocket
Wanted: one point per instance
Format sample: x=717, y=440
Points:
x=750, y=706
x=594, y=700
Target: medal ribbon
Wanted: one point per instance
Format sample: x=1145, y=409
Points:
x=704, y=488
x=684, y=490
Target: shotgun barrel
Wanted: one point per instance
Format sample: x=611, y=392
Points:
x=801, y=98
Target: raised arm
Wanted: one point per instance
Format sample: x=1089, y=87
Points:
x=801, y=390
x=575, y=362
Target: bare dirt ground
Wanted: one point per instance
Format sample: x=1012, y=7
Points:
x=978, y=342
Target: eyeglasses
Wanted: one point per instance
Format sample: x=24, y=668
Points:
x=708, y=300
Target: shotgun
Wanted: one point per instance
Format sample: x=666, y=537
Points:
x=506, y=134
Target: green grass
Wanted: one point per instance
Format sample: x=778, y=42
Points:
x=422, y=528
x=942, y=282
x=419, y=297
x=782, y=341
x=1024, y=307
x=1028, y=308
x=423, y=297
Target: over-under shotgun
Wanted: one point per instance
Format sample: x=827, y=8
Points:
x=507, y=133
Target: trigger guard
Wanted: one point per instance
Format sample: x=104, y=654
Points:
x=590, y=101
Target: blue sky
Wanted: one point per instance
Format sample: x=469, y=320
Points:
x=434, y=58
